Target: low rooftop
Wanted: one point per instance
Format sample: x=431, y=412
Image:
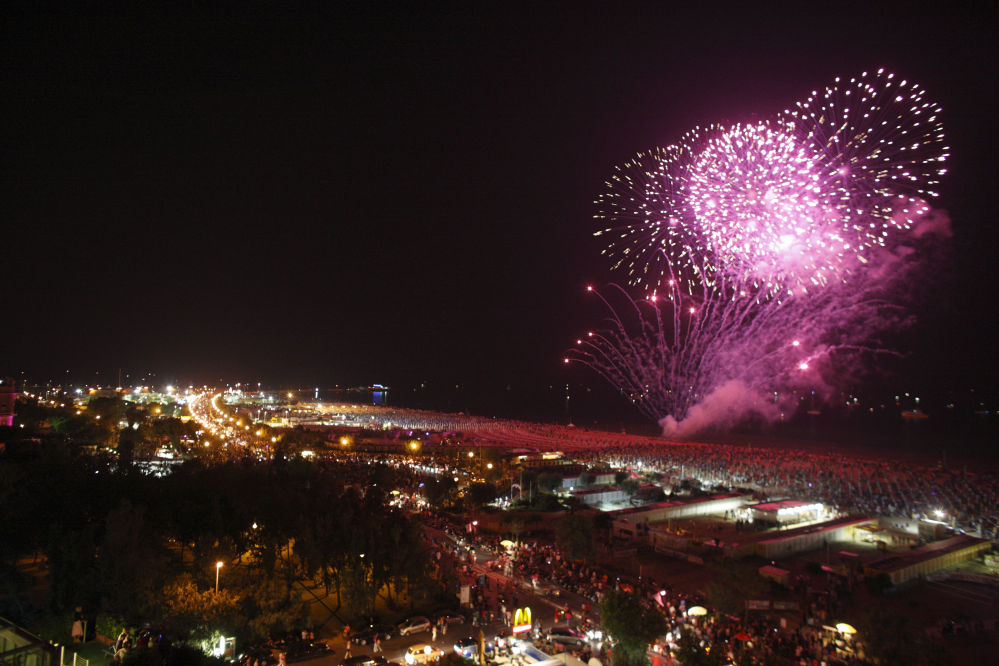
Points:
x=923, y=553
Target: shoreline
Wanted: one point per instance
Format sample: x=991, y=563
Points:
x=919, y=453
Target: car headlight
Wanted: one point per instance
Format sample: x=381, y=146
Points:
x=409, y=658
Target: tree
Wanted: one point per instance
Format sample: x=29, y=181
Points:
x=630, y=487
x=71, y=559
x=515, y=523
x=633, y=625
x=271, y=607
x=482, y=493
x=127, y=564
x=587, y=479
x=70, y=425
x=550, y=481
x=619, y=477
x=440, y=490
x=690, y=652
x=407, y=560
x=194, y=615
x=135, y=415
x=321, y=550
x=173, y=429
x=109, y=409
x=574, y=534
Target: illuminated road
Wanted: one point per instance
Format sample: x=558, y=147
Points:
x=219, y=428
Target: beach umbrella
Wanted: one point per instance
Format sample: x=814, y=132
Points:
x=742, y=636
x=697, y=610
x=506, y=543
x=844, y=628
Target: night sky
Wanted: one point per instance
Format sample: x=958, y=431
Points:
x=404, y=196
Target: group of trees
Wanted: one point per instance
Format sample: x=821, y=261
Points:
x=149, y=426
x=361, y=552
x=152, y=555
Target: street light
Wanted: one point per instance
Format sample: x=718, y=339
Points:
x=218, y=567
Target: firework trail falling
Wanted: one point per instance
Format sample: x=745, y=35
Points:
x=765, y=250
x=669, y=355
x=647, y=195
x=880, y=144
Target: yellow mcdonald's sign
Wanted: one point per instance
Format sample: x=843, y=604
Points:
x=522, y=620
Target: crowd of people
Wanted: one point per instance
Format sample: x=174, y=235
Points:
x=541, y=568
x=124, y=643
x=731, y=635
x=494, y=597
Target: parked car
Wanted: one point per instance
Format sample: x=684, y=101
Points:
x=365, y=660
x=422, y=654
x=414, y=625
x=304, y=650
x=367, y=635
x=257, y=654
x=450, y=617
x=565, y=636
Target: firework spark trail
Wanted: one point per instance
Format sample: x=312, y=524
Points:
x=787, y=201
x=880, y=140
x=768, y=346
x=771, y=246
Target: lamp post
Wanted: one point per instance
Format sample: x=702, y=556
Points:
x=218, y=567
